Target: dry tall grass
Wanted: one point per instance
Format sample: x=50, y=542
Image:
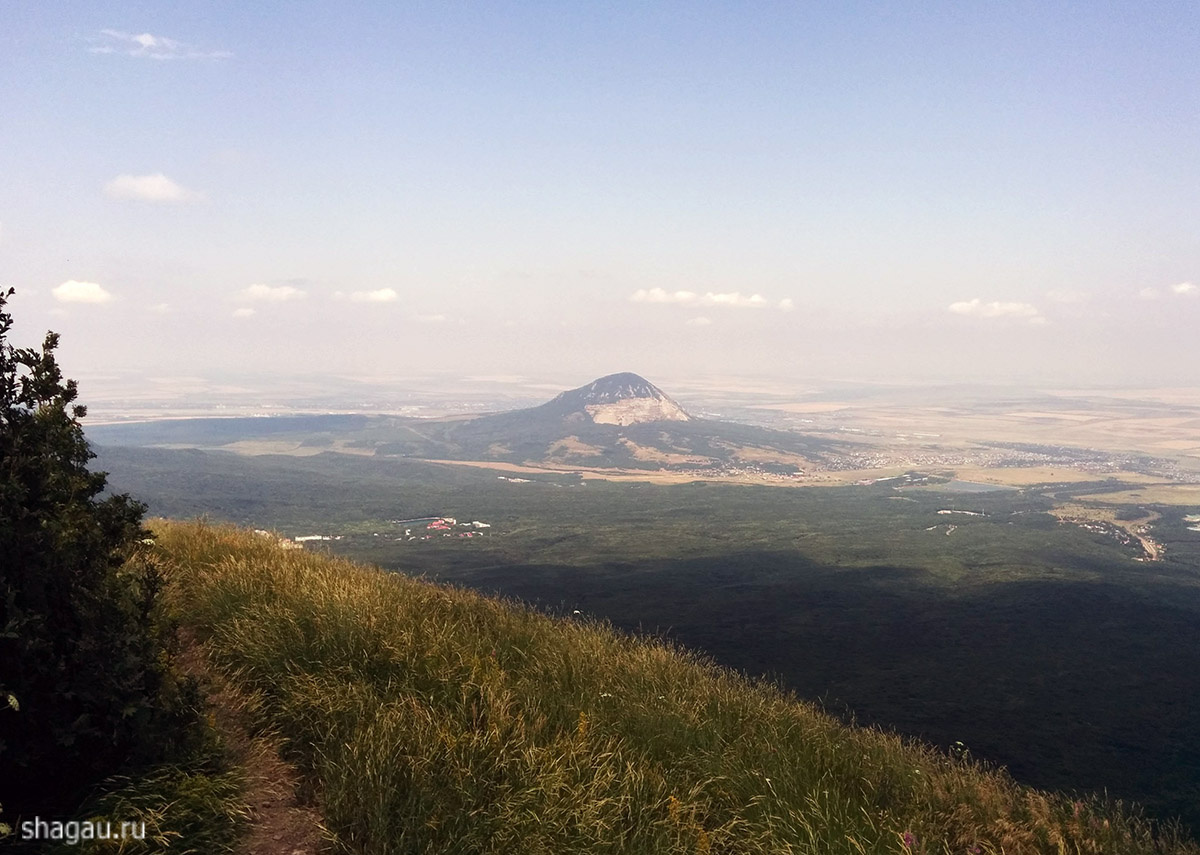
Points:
x=435, y=720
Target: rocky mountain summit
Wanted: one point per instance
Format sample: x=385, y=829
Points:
x=619, y=399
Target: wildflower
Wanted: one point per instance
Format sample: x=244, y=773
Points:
x=909, y=840
x=673, y=808
x=582, y=727
x=606, y=694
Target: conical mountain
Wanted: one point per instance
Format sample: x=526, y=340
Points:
x=597, y=414
x=617, y=399
x=617, y=421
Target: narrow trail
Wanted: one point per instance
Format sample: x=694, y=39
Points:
x=281, y=823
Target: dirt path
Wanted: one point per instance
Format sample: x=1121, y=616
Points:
x=280, y=824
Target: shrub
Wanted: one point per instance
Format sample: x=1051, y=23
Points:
x=82, y=662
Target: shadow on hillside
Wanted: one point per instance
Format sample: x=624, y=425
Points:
x=1072, y=686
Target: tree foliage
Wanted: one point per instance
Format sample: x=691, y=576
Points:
x=81, y=661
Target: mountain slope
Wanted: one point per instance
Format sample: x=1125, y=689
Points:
x=434, y=719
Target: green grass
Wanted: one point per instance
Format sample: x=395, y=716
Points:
x=435, y=720
x=186, y=809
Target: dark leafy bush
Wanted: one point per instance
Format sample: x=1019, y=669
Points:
x=82, y=662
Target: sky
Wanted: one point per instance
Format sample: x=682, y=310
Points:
x=899, y=192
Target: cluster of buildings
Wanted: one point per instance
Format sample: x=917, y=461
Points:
x=444, y=526
x=295, y=542
x=744, y=470
x=423, y=528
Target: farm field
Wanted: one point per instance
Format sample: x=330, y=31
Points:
x=1185, y=495
x=1155, y=421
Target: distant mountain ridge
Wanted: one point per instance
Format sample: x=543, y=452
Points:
x=619, y=421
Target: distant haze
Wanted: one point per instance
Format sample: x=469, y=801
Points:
x=1003, y=193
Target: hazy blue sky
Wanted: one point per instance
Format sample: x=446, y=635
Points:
x=870, y=190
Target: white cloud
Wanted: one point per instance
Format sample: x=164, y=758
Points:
x=978, y=309
x=699, y=322
x=734, y=299
x=148, y=46
x=431, y=319
x=244, y=312
x=159, y=308
x=786, y=304
x=659, y=295
x=383, y=295
x=1183, y=289
x=267, y=294
x=149, y=188
x=80, y=292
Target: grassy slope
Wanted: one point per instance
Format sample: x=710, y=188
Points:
x=436, y=720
